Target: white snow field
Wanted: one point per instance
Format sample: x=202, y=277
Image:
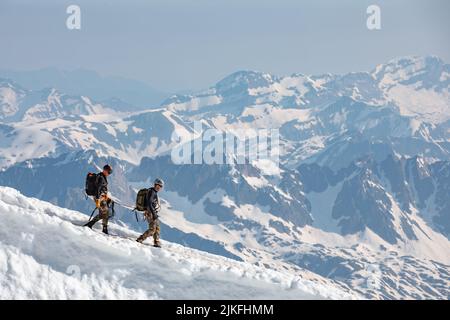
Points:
x=44, y=254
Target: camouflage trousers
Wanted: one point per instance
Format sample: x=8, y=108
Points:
x=103, y=214
x=153, y=228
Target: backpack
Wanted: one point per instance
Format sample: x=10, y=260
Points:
x=91, y=184
x=141, y=200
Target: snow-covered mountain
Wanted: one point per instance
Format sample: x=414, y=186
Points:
x=336, y=224
x=405, y=83
x=361, y=191
x=45, y=255
x=62, y=124
x=19, y=104
x=399, y=107
x=131, y=94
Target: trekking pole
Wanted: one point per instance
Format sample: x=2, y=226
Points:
x=92, y=213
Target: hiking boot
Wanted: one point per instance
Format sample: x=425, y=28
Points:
x=105, y=230
x=139, y=240
x=157, y=244
x=89, y=224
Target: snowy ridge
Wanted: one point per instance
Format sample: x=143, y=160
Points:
x=43, y=255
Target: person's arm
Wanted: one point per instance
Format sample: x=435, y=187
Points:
x=150, y=203
x=102, y=186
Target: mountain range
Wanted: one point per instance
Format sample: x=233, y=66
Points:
x=108, y=89
x=360, y=195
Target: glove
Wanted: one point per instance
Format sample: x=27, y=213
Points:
x=103, y=197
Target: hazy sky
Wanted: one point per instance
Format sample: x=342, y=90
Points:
x=191, y=44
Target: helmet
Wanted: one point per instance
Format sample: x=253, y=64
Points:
x=108, y=168
x=159, y=182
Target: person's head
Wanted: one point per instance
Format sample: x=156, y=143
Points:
x=158, y=184
x=107, y=170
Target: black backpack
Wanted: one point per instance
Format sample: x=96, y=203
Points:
x=91, y=184
x=141, y=200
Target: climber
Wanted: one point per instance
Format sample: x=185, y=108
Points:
x=151, y=213
x=97, y=186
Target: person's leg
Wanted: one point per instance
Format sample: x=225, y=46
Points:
x=156, y=233
x=147, y=233
x=104, y=213
x=94, y=220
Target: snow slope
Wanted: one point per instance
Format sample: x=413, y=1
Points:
x=45, y=255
